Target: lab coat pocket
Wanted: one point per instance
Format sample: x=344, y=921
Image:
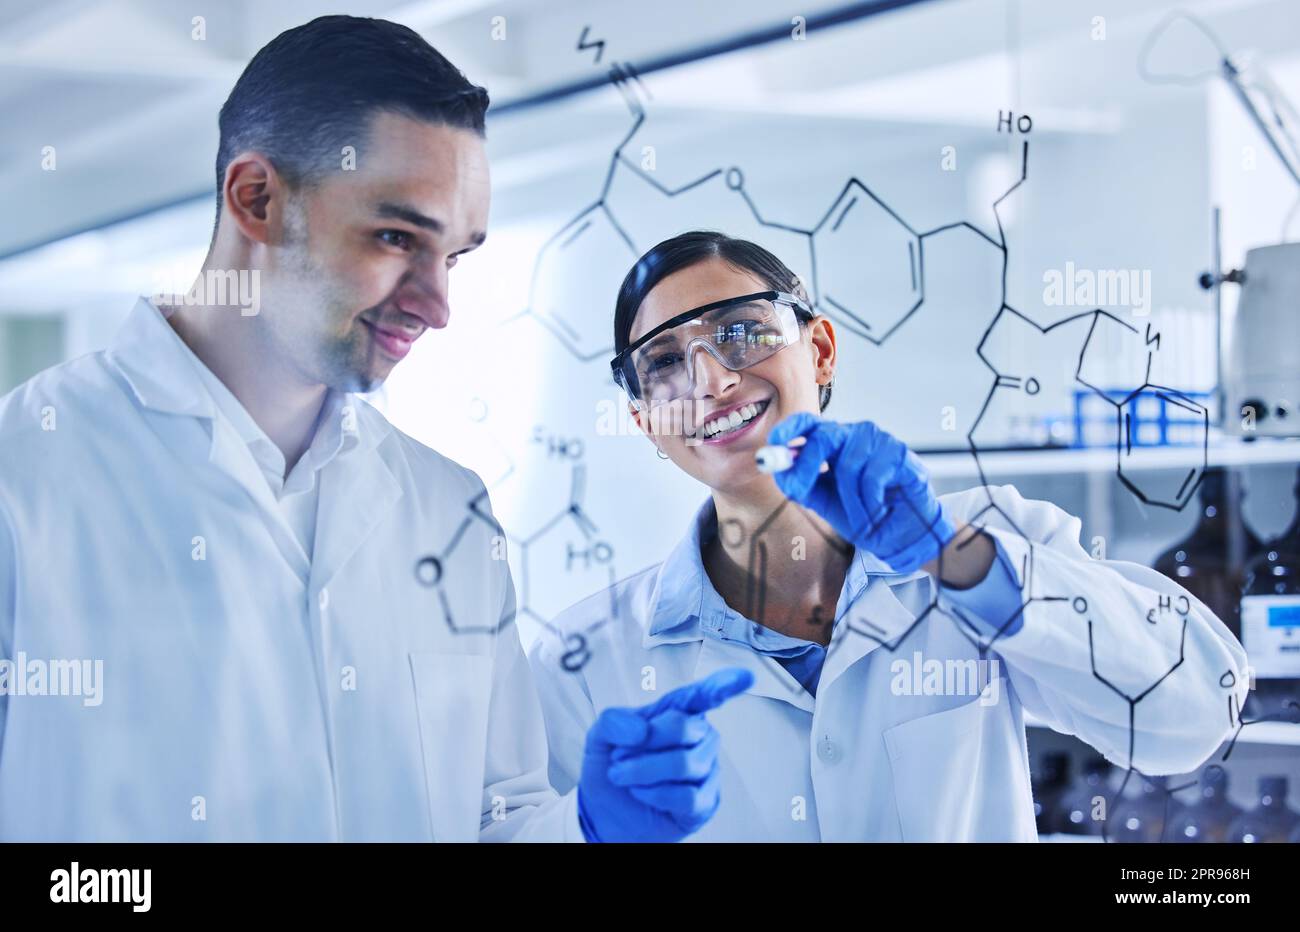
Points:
x=452, y=695
x=959, y=774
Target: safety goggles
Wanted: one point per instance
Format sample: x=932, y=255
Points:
x=738, y=332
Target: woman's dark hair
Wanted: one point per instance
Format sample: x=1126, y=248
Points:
x=680, y=252
x=311, y=90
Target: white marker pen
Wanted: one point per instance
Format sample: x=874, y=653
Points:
x=775, y=458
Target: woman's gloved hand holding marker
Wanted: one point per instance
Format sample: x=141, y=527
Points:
x=875, y=493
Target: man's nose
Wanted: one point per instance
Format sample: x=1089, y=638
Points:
x=712, y=378
x=423, y=294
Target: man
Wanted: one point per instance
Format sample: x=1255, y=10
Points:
x=209, y=617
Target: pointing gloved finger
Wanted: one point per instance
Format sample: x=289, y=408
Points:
x=669, y=729
x=617, y=727
x=703, y=695
x=675, y=765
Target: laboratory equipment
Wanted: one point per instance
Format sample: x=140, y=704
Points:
x=1210, y=562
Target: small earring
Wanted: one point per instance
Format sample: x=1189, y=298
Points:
x=661, y=454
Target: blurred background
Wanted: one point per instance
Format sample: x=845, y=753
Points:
x=867, y=145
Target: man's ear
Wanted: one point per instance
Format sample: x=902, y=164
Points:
x=822, y=338
x=253, y=198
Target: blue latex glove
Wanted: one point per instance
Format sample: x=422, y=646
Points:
x=651, y=773
x=875, y=494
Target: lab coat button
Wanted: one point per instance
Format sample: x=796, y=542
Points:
x=828, y=751
x=324, y=599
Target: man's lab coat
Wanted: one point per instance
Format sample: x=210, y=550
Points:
x=247, y=693
x=910, y=737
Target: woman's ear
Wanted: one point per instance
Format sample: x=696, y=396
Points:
x=643, y=420
x=663, y=420
x=821, y=334
x=638, y=415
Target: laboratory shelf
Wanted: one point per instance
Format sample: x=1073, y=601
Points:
x=1064, y=460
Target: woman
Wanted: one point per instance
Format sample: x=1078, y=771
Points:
x=895, y=645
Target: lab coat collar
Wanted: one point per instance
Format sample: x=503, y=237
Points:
x=151, y=356
x=357, y=491
x=874, y=618
x=678, y=598
x=334, y=433
x=770, y=678
x=162, y=372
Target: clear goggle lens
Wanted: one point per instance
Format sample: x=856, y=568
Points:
x=737, y=335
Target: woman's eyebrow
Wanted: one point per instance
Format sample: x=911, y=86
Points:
x=665, y=337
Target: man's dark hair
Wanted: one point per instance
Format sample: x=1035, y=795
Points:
x=312, y=89
x=685, y=250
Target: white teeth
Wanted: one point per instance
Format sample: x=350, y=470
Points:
x=731, y=421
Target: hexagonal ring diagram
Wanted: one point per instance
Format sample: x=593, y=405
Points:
x=867, y=264
x=589, y=256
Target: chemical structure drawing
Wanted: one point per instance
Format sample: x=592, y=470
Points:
x=867, y=249
x=586, y=560
x=434, y=570
x=1151, y=487
x=566, y=546
x=1160, y=488
x=761, y=550
x=758, y=547
x=858, y=246
x=1168, y=618
x=1171, y=613
x=590, y=253
x=859, y=249
x=1289, y=713
x=1135, y=693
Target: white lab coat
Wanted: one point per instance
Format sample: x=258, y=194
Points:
x=866, y=760
x=250, y=694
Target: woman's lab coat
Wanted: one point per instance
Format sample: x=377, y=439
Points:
x=248, y=693
x=886, y=751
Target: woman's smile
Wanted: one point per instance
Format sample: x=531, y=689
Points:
x=729, y=424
